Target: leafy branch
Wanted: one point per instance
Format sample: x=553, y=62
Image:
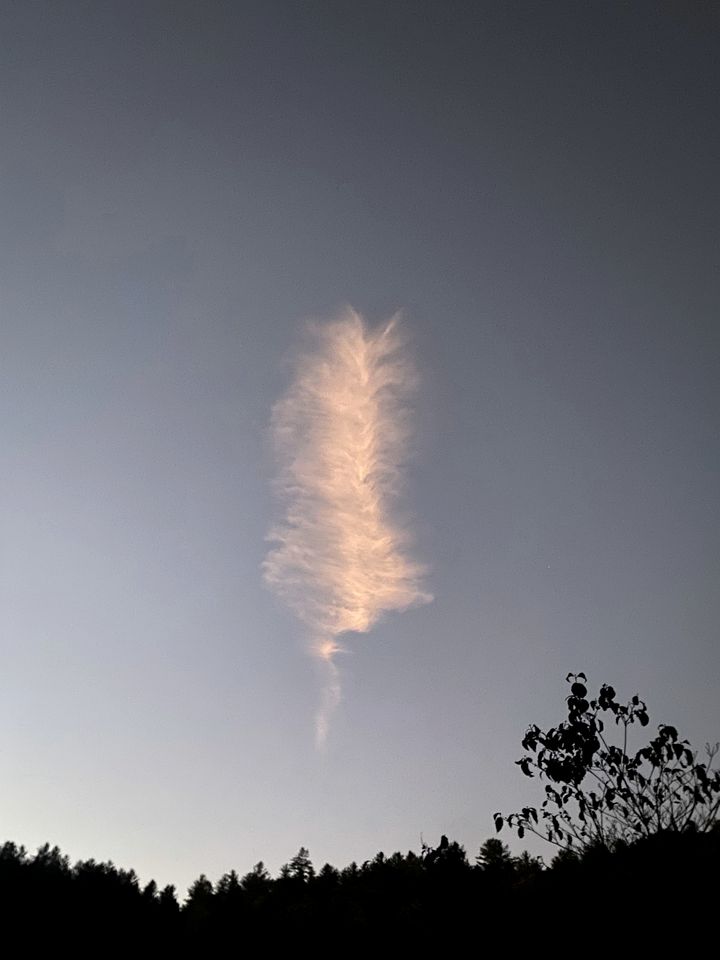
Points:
x=597, y=792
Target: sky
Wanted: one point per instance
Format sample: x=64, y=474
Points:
x=185, y=186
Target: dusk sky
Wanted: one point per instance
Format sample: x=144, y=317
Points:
x=184, y=187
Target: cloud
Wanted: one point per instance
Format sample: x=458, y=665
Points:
x=342, y=435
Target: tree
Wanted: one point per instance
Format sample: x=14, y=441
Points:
x=150, y=891
x=527, y=867
x=168, y=900
x=200, y=895
x=447, y=856
x=300, y=867
x=257, y=880
x=598, y=793
x=329, y=876
x=494, y=858
x=228, y=885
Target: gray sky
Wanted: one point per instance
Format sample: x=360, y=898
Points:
x=183, y=185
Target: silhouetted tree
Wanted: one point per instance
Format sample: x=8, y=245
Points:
x=447, y=858
x=228, y=885
x=329, y=874
x=150, y=891
x=494, y=857
x=257, y=882
x=199, y=903
x=168, y=901
x=300, y=867
x=526, y=868
x=598, y=793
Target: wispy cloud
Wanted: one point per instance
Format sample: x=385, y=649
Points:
x=341, y=434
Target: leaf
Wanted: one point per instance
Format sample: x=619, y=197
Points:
x=521, y=832
x=498, y=823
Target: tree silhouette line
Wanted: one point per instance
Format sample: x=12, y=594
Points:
x=619, y=857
